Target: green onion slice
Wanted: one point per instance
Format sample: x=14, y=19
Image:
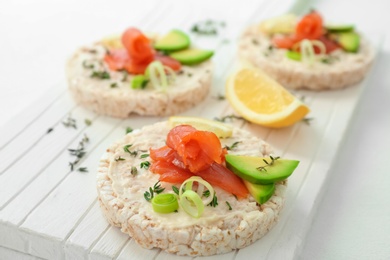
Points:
x=192, y=203
x=308, y=55
x=165, y=203
x=188, y=184
x=160, y=76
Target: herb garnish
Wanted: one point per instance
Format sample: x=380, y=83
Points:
x=114, y=85
x=87, y=66
x=88, y=122
x=228, y=117
x=70, y=122
x=207, y=27
x=100, y=74
x=79, y=152
x=129, y=129
x=49, y=130
x=214, y=202
x=175, y=190
x=220, y=97
x=119, y=159
x=307, y=120
x=145, y=164
x=149, y=195
x=233, y=146
x=145, y=155
x=126, y=148
x=228, y=204
x=82, y=169
x=273, y=159
x=134, y=170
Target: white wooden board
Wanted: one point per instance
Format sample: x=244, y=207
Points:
x=48, y=211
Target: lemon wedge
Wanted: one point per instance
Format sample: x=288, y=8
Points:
x=112, y=42
x=280, y=24
x=220, y=129
x=261, y=100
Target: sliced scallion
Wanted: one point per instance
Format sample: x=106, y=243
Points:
x=165, y=203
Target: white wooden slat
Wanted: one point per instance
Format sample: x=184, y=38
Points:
x=166, y=256
x=92, y=226
x=55, y=172
x=16, y=125
x=6, y=254
x=35, y=131
x=133, y=251
x=227, y=256
x=109, y=245
x=38, y=157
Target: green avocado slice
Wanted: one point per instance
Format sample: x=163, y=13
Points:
x=349, y=41
x=339, y=27
x=255, y=170
x=260, y=192
x=173, y=41
x=192, y=56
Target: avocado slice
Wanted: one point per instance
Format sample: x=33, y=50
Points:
x=192, y=56
x=255, y=170
x=339, y=27
x=260, y=192
x=173, y=41
x=349, y=41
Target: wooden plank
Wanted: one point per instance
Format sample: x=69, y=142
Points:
x=6, y=253
x=133, y=251
x=109, y=245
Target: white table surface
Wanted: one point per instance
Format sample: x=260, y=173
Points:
x=353, y=220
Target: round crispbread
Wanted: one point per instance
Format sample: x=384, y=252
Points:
x=219, y=230
x=107, y=92
x=338, y=70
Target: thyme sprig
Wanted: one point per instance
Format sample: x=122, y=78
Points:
x=228, y=204
x=214, y=202
x=120, y=158
x=133, y=170
x=175, y=190
x=207, y=27
x=157, y=189
x=79, y=152
x=232, y=147
x=145, y=165
x=70, y=122
x=307, y=120
x=88, y=122
x=273, y=159
x=129, y=129
x=224, y=119
x=220, y=97
x=100, y=74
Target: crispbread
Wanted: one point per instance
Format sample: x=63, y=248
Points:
x=114, y=96
x=344, y=69
x=219, y=230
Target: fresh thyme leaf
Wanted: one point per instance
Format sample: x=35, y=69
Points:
x=228, y=204
x=88, y=122
x=307, y=120
x=79, y=152
x=70, y=122
x=113, y=85
x=126, y=148
x=175, y=190
x=87, y=66
x=119, y=159
x=207, y=27
x=273, y=159
x=145, y=155
x=82, y=169
x=148, y=195
x=214, y=202
x=206, y=193
x=145, y=164
x=232, y=147
x=228, y=117
x=129, y=129
x=220, y=97
x=100, y=74
x=125, y=75
x=133, y=170
x=49, y=130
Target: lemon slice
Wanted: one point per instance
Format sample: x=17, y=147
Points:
x=261, y=100
x=280, y=24
x=112, y=42
x=220, y=129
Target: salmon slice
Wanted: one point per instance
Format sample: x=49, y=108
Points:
x=220, y=176
x=170, y=172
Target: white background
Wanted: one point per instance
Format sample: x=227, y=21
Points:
x=353, y=220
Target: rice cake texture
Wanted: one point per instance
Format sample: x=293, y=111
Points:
x=219, y=230
x=340, y=69
x=106, y=92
